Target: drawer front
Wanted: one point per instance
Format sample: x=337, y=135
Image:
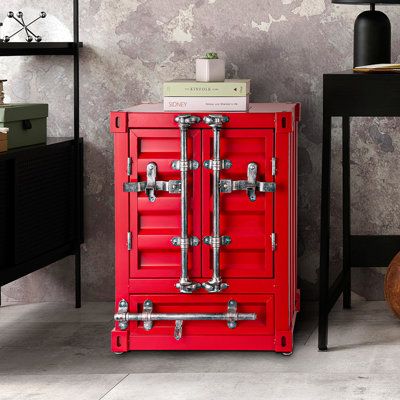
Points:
x=154, y=224
x=262, y=305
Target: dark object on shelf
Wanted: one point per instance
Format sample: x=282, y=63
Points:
x=37, y=203
x=75, y=169
x=348, y=94
x=25, y=27
x=372, y=34
x=27, y=123
x=392, y=285
x=38, y=49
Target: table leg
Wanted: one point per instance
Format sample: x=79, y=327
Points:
x=78, y=295
x=346, y=213
x=325, y=233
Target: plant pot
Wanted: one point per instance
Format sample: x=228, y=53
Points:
x=210, y=70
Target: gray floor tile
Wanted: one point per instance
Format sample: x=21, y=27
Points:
x=60, y=387
x=56, y=312
x=293, y=386
x=100, y=360
x=54, y=335
x=358, y=333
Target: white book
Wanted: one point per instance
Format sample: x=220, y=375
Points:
x=206, y=103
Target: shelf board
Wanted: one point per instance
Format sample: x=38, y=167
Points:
x=37, y=49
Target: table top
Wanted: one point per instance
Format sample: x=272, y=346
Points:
x=360, y=94
x=350, y=72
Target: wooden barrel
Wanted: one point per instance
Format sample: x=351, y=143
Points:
x=392, y=285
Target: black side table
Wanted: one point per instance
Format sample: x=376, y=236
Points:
x=348, y=94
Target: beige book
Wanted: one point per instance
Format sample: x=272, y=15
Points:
x=392, y=68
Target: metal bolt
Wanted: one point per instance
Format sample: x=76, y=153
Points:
x=10, y=14
x=231, y=324
x=20, y=14
x=43, y=14
x=151, y=166
x=123, y=326
x=252, y=166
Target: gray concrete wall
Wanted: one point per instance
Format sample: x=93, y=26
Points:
x=132, y=46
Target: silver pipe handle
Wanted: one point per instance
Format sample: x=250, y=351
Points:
x=185, y=285
x=216, y=285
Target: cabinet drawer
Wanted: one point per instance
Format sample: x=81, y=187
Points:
x=262, y=305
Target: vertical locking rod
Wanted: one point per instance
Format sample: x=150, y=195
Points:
x=185, y=285
x=216, y=285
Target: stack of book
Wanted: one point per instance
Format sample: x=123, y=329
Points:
x=190, y=95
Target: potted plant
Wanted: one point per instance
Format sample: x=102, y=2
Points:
x=210, y=68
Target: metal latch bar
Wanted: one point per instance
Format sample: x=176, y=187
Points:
x=250, y=186
x=152, y=185
x=148, y=317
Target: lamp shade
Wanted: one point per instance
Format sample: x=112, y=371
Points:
x=372, y=33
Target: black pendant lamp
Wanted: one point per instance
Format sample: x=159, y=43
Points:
x=372, y=34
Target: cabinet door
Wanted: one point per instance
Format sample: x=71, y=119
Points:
x=249, y=224
x=154, y=224
x=44, y=196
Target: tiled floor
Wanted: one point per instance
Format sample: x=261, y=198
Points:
x=52, y=351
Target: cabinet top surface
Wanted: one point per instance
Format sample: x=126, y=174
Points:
x=255, y=108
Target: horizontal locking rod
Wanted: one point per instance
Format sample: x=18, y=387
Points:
x=147, y=316
x=186, y=317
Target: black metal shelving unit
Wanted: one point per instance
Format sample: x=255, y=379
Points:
x=70, y=238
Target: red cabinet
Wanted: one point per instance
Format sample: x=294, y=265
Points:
x=206, y=229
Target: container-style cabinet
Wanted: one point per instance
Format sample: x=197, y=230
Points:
x=206, y=229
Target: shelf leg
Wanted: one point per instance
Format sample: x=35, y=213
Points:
x=346, y=213
x=325, y=236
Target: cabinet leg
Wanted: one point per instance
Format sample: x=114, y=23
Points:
x=78, y=295
x=325, y=235
x=346, y=213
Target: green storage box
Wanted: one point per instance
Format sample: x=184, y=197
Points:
x=27, y=123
